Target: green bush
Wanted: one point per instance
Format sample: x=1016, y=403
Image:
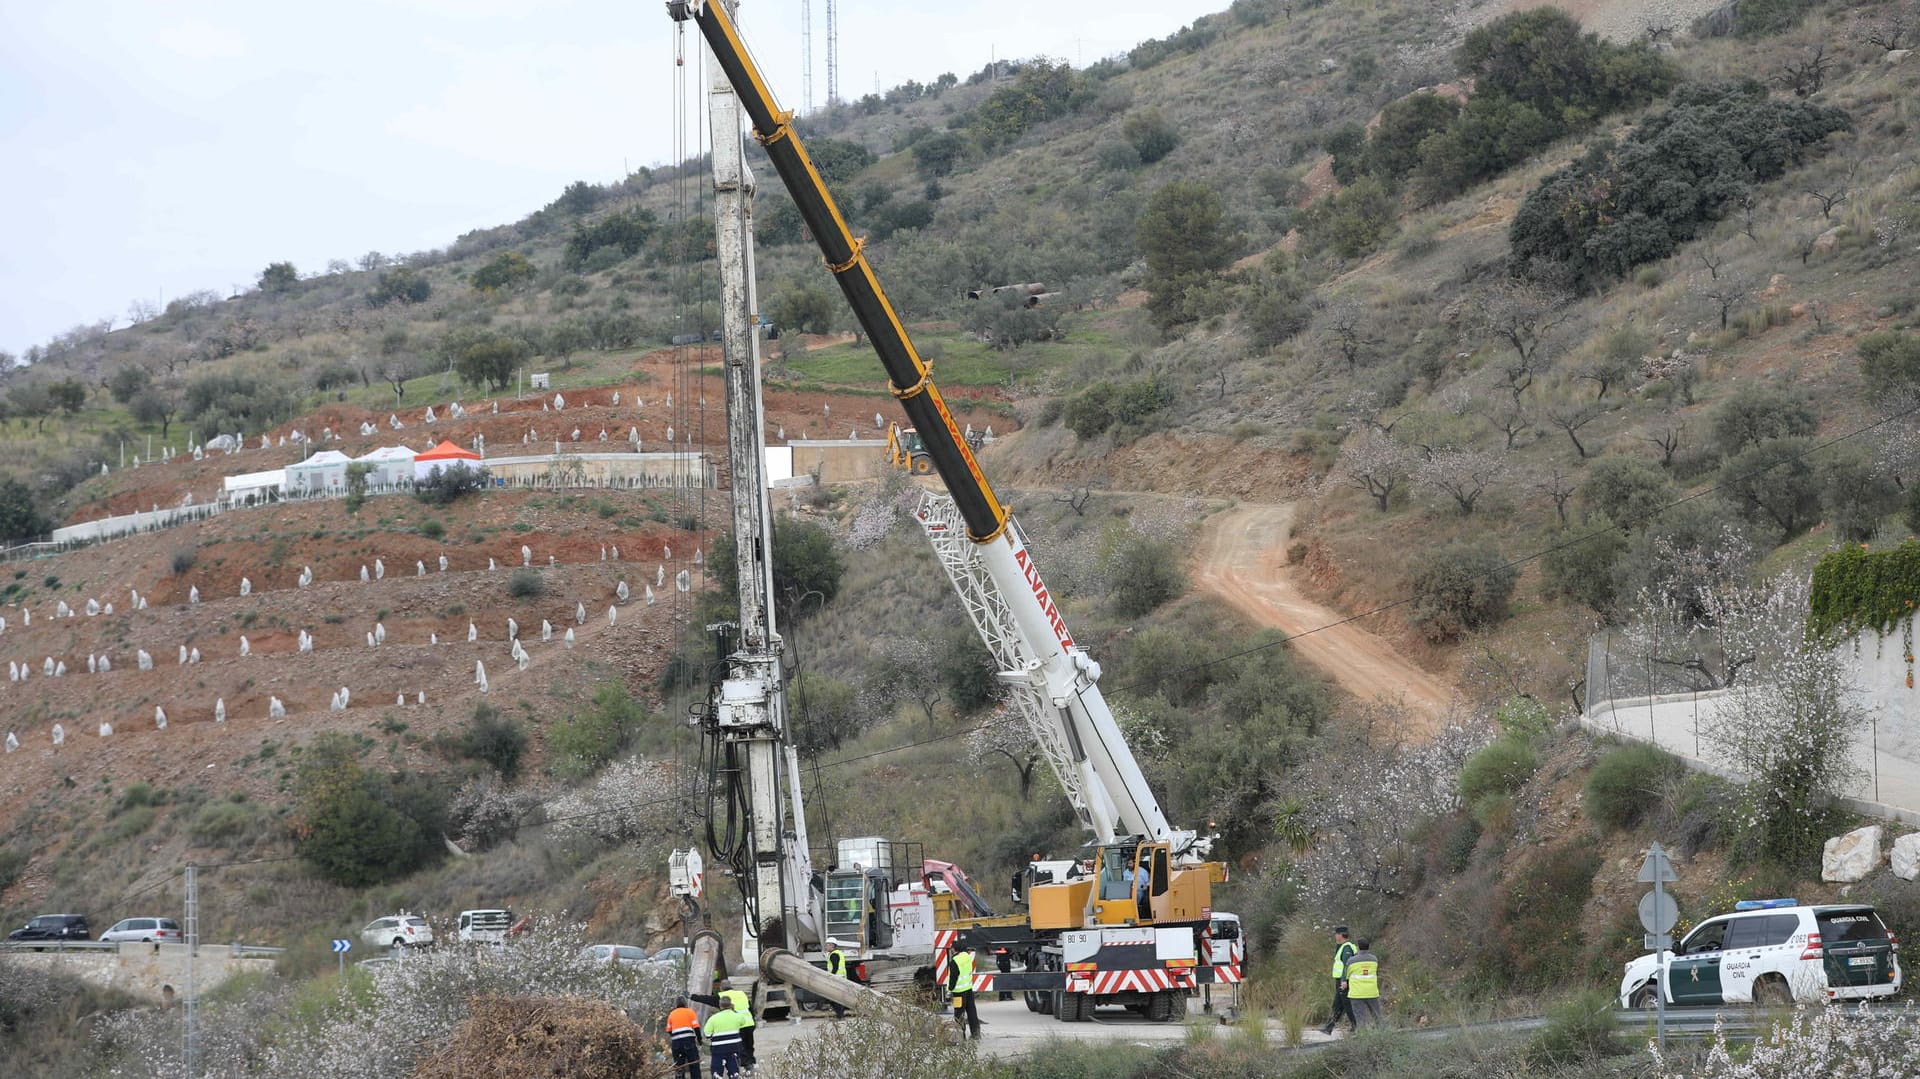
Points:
x=806, y=568
x=183, y=560
x=441, y=486
x=433, y=529
x=585, y=741
x=1624, y=204
x=1145, y=574
x=1855, y=495
x=356, y=827
x=525, y=584
x=1580, y=1029
x=1627, y=782
x=1773, y=487
x=12, y=863
x=220, y=823
x=1459, y=588
x=1626, y=490
x=1890, y=361
x=1105, y=405
x=20, y=516
x=1499, y=769
x=494, y=740
x=1753, y=414
x=1151, y=134
x=1539, y=936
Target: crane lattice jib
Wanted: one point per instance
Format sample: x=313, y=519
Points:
x=1019, y=667
x=911, y=376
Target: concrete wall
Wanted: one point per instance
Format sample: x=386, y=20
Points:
x=146, y=971
x=609, y=470
x=129, y=523
x=840, y=460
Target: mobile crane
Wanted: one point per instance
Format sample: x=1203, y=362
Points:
x=1136, y=928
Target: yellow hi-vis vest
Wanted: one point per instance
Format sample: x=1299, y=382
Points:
x=962, y=973
x=1363, y=977
x=836, y=963
x=1340, y=955
x=723, y=1028
x=738, y=1000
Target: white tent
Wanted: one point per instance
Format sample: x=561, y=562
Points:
x=253, y=486
x=324, y=471
x=391, y=465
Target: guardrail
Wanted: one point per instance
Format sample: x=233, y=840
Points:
x=236, y=950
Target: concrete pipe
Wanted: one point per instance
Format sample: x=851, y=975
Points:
x=784, y=966
x=704, y=957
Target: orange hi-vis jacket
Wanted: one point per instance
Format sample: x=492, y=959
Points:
x=683, y=1023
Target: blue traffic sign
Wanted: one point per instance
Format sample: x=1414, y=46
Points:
x=342, y=945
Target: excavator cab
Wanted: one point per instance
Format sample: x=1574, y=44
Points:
x=907, y=451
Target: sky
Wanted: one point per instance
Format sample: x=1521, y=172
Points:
x=148, y=150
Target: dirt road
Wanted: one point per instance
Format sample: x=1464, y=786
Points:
x=1241, y=559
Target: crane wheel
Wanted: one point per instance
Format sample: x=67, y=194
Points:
x=1163, y=1006
x=923, y=466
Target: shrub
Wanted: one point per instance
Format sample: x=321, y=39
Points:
x=1579, y=1029
x=1753, y=414
x=441, y=486
x=183, y=560
x=357, y=828
x=1890, y=361
x=1772, y=486
x=1855, y=495
x=12, y=862
x=433, y=529
x=1628, y=491
x=20, y=516
x=1146, y=573
x=1622, y=205
x=525, y=584
x=806, y=568
x=1499, y=769
x=1459, y=588
x=1627, y=782
x=220, y=823
x=1151, y=135
x=585, y=741
x=1109, y=404
x=1540, y=934
x=494, y=740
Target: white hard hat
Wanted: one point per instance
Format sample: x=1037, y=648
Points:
x=832, y=942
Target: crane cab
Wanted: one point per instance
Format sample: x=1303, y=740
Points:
x=1133, y=882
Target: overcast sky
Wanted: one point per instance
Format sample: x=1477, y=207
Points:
x=149, y=149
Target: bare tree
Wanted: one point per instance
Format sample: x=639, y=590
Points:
x=1723, y=293
x=1806, y=76
x=1373, y=462
x=1462, y=474
x=1006, y=734
x=1522, y=315
x=1666, y=440
x=1076, y=499
x=1346, y=332
x=1604, y=370
x=1806, y=246
x=1827, y=200
x=1510, y=420
x=1557, y=484
x=1889, y=28
x=1572, y=417
x=1712, y=260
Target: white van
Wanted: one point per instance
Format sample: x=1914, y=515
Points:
x=484, y=926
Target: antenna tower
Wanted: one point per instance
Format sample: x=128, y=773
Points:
x=806, y=54
x=833, y=55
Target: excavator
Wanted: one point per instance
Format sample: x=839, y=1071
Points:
x=1136, y=926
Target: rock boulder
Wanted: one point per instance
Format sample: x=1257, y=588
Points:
x=1849, y=858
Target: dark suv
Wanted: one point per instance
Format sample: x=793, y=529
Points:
x=54, y=927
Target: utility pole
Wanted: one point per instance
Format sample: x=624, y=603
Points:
x=806, y=54
x=190, y=1043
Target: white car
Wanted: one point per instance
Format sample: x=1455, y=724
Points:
x=398, y=931
x=624, y=954
x=1772, y=951
x=146, y=931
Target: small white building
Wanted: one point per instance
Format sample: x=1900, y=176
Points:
x=323, y=472
x=392, y=466
x=252, y=487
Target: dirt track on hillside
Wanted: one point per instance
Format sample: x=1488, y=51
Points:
x=1241, y=558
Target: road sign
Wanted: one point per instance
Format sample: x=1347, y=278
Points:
x=342, y=945
x=1658, y=942
x=1658, y=912
x=1658, y=868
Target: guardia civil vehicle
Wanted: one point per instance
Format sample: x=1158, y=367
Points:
x=1772, y=951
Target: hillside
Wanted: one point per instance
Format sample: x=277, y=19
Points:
x=1351, y=312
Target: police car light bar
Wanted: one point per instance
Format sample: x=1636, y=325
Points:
x=1765, y=904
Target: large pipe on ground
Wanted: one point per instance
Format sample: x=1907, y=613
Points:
x=784, y=966
x=703, y=958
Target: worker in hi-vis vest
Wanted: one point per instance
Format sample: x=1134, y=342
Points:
x=1343, y=949
x=959, y=983
x=1363, y=986
x=723, y=1040
x=683, y=1036
x=837, y=966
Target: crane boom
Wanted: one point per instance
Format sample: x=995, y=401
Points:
x=1052, y=677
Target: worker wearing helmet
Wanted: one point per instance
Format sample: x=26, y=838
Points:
x=683, y=1035
x=837, y=966
x=1343, y=950
x=1003, y=961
